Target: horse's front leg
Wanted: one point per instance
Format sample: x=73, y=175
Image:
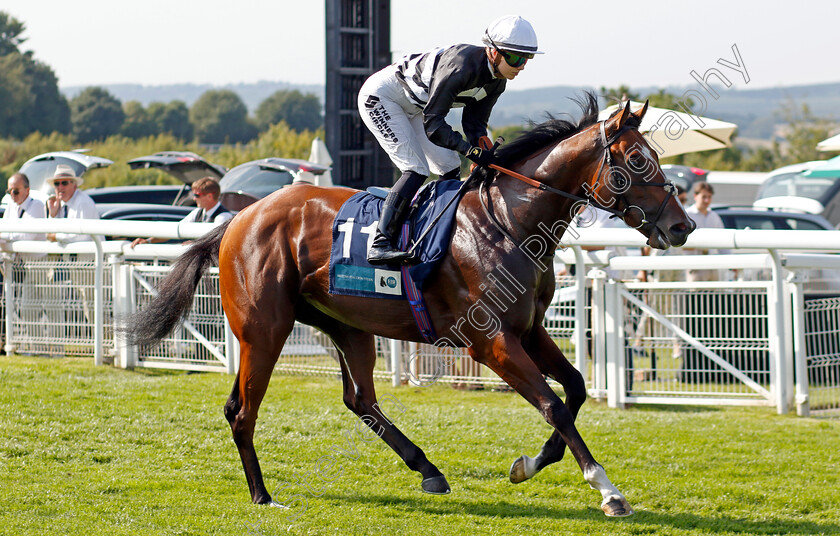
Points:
x=553, y=363
x=505, y=355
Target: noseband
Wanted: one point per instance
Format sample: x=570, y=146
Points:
x=606, y=162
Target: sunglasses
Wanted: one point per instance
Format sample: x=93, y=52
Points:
x=197, y=194
x=62, y=183
x=514, y=59
x=13, y=191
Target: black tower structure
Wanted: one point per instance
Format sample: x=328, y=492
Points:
x=358, y=44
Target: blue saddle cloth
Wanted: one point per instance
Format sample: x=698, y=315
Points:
x=355, y=226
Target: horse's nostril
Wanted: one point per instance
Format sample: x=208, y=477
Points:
x=681, y=229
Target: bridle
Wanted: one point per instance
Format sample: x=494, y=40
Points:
x=589, y=199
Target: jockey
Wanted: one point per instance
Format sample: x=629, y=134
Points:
x=405, y=105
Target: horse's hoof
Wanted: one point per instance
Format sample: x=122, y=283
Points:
x=522, y=469
x=615, y=506
x=436, y=485
x=275, y=504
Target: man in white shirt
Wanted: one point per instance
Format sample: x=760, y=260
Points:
x=69, y=202
x=705, y=218
x=206, y=192
x=22, y=207
x=27, y=296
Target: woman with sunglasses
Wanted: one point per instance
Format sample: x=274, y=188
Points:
x=405, y=106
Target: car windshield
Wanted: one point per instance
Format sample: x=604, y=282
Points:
x=796, y=184
x=256, y=181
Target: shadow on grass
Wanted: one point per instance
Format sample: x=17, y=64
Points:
x=501, y=509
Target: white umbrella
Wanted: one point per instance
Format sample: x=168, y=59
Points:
x=831, y=144
x=670, y=133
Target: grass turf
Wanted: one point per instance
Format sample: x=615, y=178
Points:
x=97, y=450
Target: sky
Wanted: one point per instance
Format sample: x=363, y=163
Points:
x=606, y=43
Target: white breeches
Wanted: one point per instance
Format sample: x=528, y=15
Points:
x=397, y=124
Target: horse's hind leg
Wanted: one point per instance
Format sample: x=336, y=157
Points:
x=553, y=363
x=256, y=363
x=358, y=357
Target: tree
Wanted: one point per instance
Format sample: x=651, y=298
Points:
x=50, y=111
x=220, y=116
x=803, y=132
x=138, y=123
x=617, y=94
x=172, y=118
x=663, y=99
x=14, y=96
x=29, y=96
x=10, y=34
x=96, y=114
x=301, y=112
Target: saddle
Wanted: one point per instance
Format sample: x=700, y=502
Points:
x=430, y=221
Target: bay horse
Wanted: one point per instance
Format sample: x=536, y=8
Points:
x=273, y=264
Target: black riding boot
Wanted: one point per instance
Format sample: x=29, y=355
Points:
x=383, y=250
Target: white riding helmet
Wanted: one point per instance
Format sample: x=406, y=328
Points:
x=513, y=33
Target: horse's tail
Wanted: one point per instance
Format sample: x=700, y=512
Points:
x=151, y=324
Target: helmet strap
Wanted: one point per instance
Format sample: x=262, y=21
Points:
x=494, y=62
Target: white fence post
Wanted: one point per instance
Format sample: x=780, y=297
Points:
x=231, y=348
x=124, y=305
x=781, y=380
x=615, y=347
x=581, y=321
x=9, y=296
x=597, y=334
x=98, y=299
x=803, y=405
x=396, y=365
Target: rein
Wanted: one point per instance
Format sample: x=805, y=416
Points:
x=606, y=159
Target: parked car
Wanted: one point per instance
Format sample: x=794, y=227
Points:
x=752, y=218
x=819, y=282
x=812, y=187
x=155, y=195
x=684, y=176
x=185, y=166
x=142, y=212
x=40, y=168
x=251, y=181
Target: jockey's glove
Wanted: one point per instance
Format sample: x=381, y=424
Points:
x=482, y=157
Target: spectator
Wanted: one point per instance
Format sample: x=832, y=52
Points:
x=206, y=192
x=705, y=218
x=22, y=207
x=26, y=309
x=69, y=202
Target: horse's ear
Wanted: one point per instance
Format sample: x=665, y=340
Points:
x=625, y=113
x=641, y=113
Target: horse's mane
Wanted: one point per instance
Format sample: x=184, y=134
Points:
x=551, y=131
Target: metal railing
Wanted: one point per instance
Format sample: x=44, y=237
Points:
x=770, y=341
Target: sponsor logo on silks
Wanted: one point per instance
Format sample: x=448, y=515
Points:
x=388, y=282
x=380, y=118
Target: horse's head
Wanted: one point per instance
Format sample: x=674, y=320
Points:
x=630, y=183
